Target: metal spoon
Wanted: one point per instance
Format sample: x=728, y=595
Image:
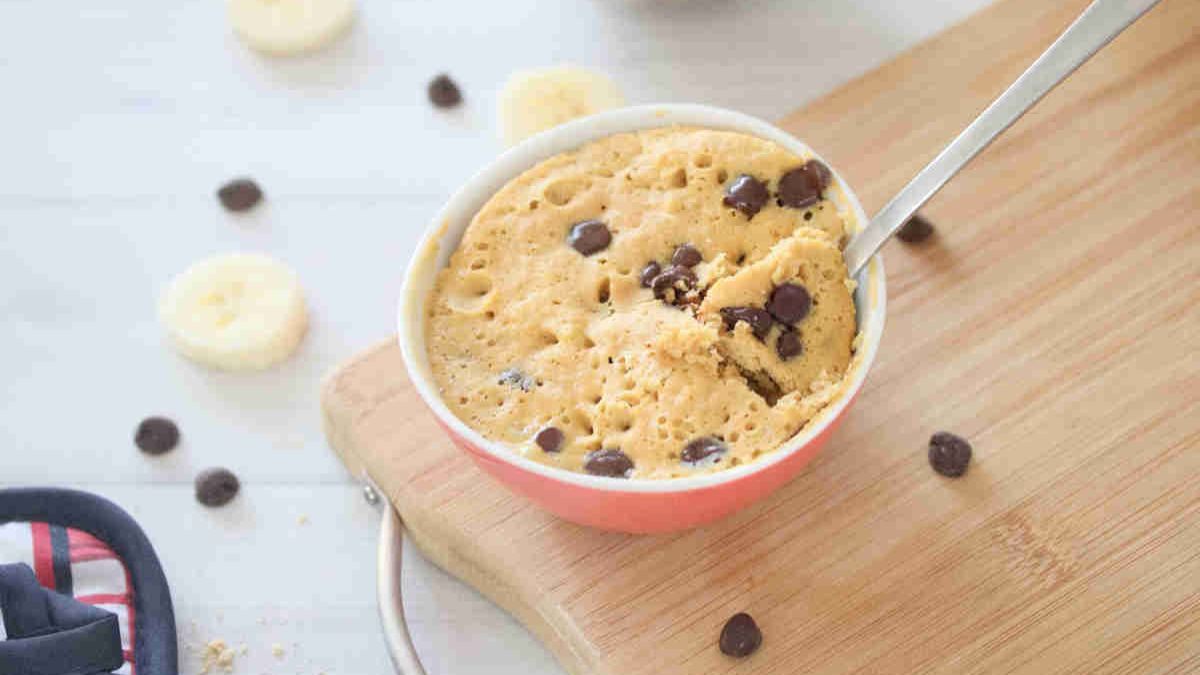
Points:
x=1100, y=22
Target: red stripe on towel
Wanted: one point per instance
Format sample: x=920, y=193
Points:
x=105, y=599
x=43, y=554
x=130, y=617
x=85, y=547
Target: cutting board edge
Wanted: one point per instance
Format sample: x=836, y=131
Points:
x=569, y=647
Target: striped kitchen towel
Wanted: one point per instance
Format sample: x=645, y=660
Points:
x=82, y=547
x=74, y=563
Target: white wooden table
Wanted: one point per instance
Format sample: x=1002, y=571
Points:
x=119, y=120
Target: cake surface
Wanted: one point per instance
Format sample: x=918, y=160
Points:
x=652, y=305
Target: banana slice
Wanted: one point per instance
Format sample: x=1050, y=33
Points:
x=535, y=100
x=235, y=312
x=289, y=26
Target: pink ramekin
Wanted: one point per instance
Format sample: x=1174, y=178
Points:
x=637, y=506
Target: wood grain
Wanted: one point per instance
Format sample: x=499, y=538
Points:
x=1055, y=322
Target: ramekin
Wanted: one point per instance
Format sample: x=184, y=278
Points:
x=630, y=505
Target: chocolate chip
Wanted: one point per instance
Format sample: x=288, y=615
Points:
x=706, y=450
x=609, y=462
x=803, y=186
x=949, y=455
x=240, y=194
x=589, y=236
x=672, y=283
x=789, y=303
x=740, y=636
x=759, y=320
x=549, y=439
x=788, y=345
x=216, y=487
x=650, y=271
x=686, y=255
x=915, y=231
x=513, y=377
x=156, y=435
x=760, y=382
x=443, y=92
x=746, y=194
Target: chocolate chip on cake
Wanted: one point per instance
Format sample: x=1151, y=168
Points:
x=673, y=283
x=740, y=636
x=803, y=186
x=549, y=439
x=609, y=462
x=240, y=194
x=915, y=231
x=746, y=194
x=156, y=435
x=216, y=487
x=589, y=236
x=686, y=255
x=649, y=272
x=444, y=92
x=513, y=377
x=949, y=454
x=789, y=303
x=761, y=383
x=788, y=345
x=706, y=450
x=759, y=320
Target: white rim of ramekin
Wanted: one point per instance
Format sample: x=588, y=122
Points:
x=469, y=198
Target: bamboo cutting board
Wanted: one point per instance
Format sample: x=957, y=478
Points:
x=1055, y=322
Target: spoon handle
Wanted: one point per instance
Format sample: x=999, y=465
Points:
x=1100, y=22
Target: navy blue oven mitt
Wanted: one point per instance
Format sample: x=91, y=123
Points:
x=81, y=589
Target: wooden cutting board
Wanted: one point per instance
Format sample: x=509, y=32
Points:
x=1055, y=322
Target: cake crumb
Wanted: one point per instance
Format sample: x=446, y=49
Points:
x=277, y=650
x=216, y=656
x=302, y=519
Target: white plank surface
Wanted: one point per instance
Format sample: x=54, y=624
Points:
x=119, y=122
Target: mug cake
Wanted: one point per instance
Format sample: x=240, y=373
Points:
x=652, y=305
